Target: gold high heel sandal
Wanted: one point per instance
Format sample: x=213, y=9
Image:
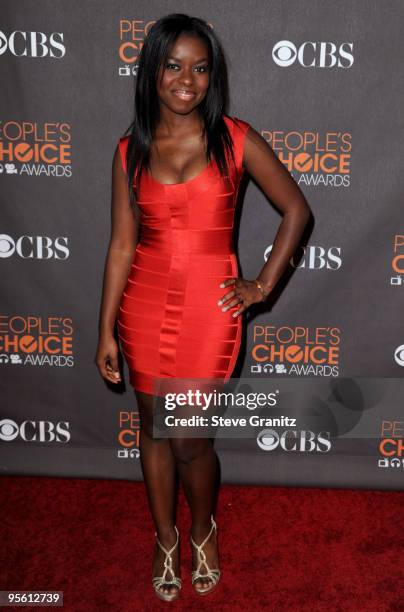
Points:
x=159, y=581
x=212, y=574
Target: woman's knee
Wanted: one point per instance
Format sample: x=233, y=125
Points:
x=189, y=449
x=145, y=407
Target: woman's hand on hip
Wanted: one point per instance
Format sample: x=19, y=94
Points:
x=244, y=292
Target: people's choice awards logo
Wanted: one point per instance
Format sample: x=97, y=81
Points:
x=33, y=44
x=296, y=350
x=391, y=445
x=314, y=158
x=35, y=148
x=36, y=341
x=397, y=261
x=129, y=435
x=313, y=54
x=132, y=33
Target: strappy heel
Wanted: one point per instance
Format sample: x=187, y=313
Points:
x=159, y=581
x=211, y=574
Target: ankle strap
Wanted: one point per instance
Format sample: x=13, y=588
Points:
x=168, y=552
x=214, y=526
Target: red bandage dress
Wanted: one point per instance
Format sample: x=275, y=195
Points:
x=169, y=322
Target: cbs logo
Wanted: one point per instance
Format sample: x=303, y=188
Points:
x=32, y=44
x=293, y=440
x=313, y=257
x=313, y=54
x=34, y=431
x=34, y=247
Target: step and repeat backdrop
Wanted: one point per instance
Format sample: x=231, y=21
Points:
x=323, y=83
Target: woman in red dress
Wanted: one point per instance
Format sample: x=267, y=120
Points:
x=175, y=294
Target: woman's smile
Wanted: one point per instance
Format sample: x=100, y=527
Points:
x=184, y=94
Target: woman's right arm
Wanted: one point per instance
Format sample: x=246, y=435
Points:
x=118, y=263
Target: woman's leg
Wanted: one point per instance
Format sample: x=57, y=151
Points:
x=197, y=466
x=158, y=466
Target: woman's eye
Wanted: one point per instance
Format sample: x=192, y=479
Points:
x=199, y=68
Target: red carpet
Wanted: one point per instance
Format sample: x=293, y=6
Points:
x=281, y=548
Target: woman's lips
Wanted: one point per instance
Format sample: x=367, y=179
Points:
x=183, y=94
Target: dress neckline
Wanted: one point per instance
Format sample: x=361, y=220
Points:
x=227, y=120
x=191, y=180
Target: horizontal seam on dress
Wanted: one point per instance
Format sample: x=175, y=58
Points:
x=140, y=250
x=150, y=271
x=134, y=328
x=140, y=300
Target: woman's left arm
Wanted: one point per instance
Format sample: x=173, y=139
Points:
x=274, y=179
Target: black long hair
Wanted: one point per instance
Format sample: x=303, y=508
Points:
x=154, y=53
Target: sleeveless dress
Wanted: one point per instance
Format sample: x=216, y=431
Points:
x=169, y=322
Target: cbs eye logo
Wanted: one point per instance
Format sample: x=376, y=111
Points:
x=399, y=355
x=313, y=54
x=8, y=430
x=268, y=439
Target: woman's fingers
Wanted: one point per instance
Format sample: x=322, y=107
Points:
x=244, y=291
x=230, y=294
x=232, y=303
x=114, y=365
x=107, y=361
x=112, y=370
x=228, y=281
x=227, y=296
x=240, y=310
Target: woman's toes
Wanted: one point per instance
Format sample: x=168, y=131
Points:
x=168, y=590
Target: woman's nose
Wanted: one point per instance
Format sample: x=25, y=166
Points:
x=186, y=75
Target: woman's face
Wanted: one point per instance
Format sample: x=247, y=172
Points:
x=184, y=79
